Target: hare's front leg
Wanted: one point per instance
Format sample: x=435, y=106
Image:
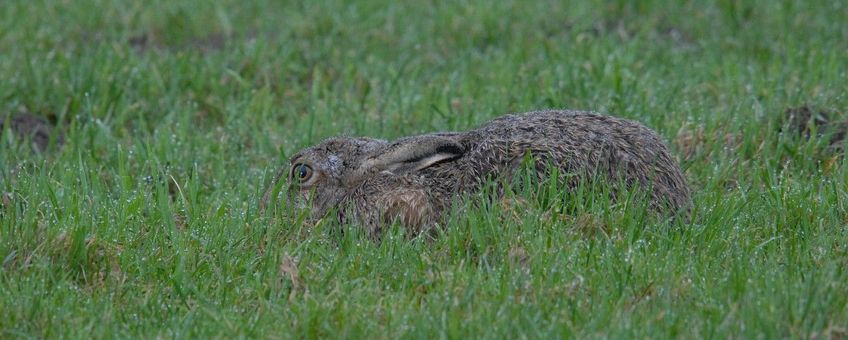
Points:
x=386, y=199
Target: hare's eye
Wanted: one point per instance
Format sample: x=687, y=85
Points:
x=302, y=172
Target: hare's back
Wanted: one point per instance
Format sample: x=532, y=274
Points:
x=586, y=142
x=575, y=129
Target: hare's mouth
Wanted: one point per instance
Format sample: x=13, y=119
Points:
x=309, y=201
x=299, y=200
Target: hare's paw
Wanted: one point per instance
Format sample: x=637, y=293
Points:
x=410, y=207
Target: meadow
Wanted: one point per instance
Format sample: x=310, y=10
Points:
x=161, y=122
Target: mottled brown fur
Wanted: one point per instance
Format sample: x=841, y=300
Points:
x=413, y=180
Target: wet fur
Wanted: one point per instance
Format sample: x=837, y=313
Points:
x=413, y=180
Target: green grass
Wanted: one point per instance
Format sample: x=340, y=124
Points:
x=145, y=223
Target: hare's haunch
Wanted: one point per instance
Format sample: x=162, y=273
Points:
x=413, y=180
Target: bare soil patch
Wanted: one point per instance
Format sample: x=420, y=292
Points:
x=809, y=122
x=36, y=129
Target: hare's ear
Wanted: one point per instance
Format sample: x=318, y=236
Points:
x=413, y=153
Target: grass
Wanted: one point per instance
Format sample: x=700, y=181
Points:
x=176, y=114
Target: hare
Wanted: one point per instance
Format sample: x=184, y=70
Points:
x=414, y=180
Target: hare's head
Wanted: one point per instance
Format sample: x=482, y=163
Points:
x=329, y=172
x=318, y=174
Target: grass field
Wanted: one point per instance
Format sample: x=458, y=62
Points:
x=140, y=217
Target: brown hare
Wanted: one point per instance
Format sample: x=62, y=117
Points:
x=414, y=180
